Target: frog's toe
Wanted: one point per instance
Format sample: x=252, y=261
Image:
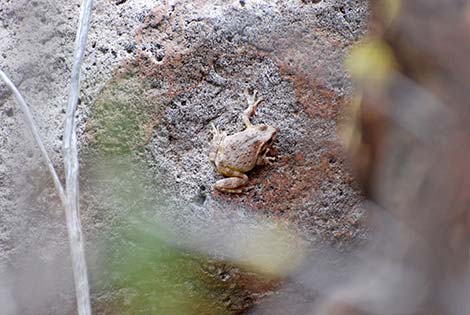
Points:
x=248, y=188
x=265, y=160
x=215, y=130
x=268, y=161
x=251, y=97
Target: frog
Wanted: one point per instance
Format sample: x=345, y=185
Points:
x=235, y=155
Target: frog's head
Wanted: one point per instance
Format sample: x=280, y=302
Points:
x=266, y=135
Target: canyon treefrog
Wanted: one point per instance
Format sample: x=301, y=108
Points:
x=239, y=153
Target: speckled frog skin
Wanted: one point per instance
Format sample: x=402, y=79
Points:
x=239, y=153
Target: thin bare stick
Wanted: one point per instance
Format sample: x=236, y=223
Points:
x=72, y=167
x=34, y=130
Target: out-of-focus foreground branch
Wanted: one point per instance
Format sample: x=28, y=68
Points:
x=72, y=167
x=34, y=130
x=410, y=140
x=70, y=198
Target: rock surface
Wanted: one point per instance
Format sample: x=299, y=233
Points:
x=156, y=75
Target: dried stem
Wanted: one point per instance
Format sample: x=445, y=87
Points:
x=34, y=130
x=72, y=167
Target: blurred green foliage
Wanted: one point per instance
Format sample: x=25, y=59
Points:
x=155, y=278
x=389, y=9
x=145, y=273
x=120, y=116
x=371, y=63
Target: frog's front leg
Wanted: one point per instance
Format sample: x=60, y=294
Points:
x=216, y=140
x=264, y=159
x=253, y=102
x=234, y=183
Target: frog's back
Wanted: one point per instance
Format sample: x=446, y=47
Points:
x=239, y=151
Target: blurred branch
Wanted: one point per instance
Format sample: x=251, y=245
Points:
x=72, y=167
x=34, y=129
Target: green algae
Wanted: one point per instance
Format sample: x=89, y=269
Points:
x=120, y=115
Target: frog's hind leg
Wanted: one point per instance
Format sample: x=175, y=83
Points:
x=233, y=183
x=253, y=102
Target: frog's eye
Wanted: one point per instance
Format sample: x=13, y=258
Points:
x=263, y=127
